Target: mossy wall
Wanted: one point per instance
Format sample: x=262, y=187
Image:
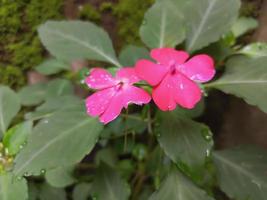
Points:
x=20, y=48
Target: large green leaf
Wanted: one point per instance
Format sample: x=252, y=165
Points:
x=12, y=188
x=69, y=40
x=109, y=185
x=59, y=87
x=130, y=54
x=17, y=136
x=177, y=187
x=49, y=193
x=9, y=107
x=245, y=78
x=241, y=172
x=52, y=66
x=163, y=25
x=208, y=20
x=62, y=139
x=186, y=142
x=32, y=94
x=60, y=177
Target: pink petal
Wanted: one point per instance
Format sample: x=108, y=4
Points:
x=150, y=72
x=114, y=109
x=135, y=95
x=100, y=79
x=163, y=94
x=199, y=68
x=166, y=56
x=176, y=89
x=186, y=93
x=127, y=74
x=98, y=102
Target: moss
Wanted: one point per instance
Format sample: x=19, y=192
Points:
x=19, y=43
x=88, y=12
x=130, y=14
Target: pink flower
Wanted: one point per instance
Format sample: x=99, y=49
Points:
x=174, y=77
x=114, y=93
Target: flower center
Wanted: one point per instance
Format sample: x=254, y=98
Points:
x=119, y=86
x=173, y=68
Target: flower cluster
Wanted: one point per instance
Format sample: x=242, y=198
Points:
x=174, y=78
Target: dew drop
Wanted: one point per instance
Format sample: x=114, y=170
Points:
x=82, y=81
x=26, y=174
x=21, y=146
x=43, y=171
x=19, y=178
x=45, y=121
x=144, y=22
x=206, y=135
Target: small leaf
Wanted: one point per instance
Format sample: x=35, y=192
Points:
x=52, y=66
x=131, y=54
x=241, y=172
x=163, y=25
x=33, y=94
x=9, y=107
x=109, y=185
x=72, y=40
x=186, y=142
x=49, y=193
x=243, y=25
x=51, y=106
x=59, y=87
x=81, y=191
x=207, y=22
x=17, y=136
x=177, y=187
x=12, y=188
x=254, y=50
x=62, y=139
x=246, y=78
x=60, y=177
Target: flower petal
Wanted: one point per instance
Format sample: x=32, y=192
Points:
x=163, y=94
x=114, y=109
x=135, y=95
x=127, y=74
x=98, y=102
x=99, y=79
x=186, y=93
x=150, y=72
x=166, y=56
x=199, y=68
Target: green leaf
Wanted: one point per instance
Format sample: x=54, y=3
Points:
x=192, y=113
x=12, y=189
x=246, y=78
x=207, y=21
x=33, y=94
x=81, y=191
x=52, y=66
x=9, y=107
x=49, y=193
x=163, y=25
x=70, y=40
x=243, y=25
x=51, y=106
x=241, y=172
x=17, y=136
x=186, y=142
x=62, y=139
x=60, y=177
x=254, y=50
x=177, y=187
x=131, y=54
x=59, y=87
x=109, y=185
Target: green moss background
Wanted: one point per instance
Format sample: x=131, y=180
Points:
x=20, y=48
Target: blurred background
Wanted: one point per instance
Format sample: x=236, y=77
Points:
x=232, y=120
